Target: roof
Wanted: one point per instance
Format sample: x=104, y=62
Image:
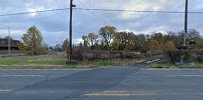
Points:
x=4, y=43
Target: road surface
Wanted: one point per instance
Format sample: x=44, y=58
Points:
x=120, y=83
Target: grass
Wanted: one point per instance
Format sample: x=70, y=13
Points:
x=40, y=67
x=161, y=66
x=196, y=66
x=30, y=60
x=98, y=63
x=108, y=63
x=51, y=62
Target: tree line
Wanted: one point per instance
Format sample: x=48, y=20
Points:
x=109, y=38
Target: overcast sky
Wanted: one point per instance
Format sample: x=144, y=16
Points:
x=54, y=25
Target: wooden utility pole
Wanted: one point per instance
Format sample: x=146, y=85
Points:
x=186, y=22
x=70, y=30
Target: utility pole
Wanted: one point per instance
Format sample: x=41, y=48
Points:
x=70, y=30
x=184, y=47
x=186, y=22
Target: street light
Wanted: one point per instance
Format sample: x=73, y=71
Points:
x=9, y=39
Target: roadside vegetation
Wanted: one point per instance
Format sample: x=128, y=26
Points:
x=195, y=66
x=108, y=47
x=53, y=62
x=164, y=64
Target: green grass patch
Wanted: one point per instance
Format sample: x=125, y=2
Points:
x=196, y=66
x=97, y=63
x=30, y=60
x=163, y=62
x=161, y=66
x=106, y=63
x=41, y=67
x=71, y=66
x=56, y=67
x=52, y=62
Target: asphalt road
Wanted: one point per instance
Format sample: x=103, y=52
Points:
x=121, y=83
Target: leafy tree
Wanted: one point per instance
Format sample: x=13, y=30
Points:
x=170, y=36
x=178, y=39
x=170, y=52
x=51, y=48
x=131, y=41
x=58, y=48
x=141, y=41
x=195, y=37
x=169, y=45
x=107, y=33
x=199, y=44
x=116, y=45
x=92, y=37
x=85, y=41
x=65, y=45
x=33, y=41
x=194, y=34
x=120, y=40
x=159, y=37
x=154, y=45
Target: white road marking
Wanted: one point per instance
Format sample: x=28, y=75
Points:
x=122, y=93
x=5, y=90
x=169, y=69
x=114, y=91
x=185, y=75
x=21, y=75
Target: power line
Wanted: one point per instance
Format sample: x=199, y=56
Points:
x=93, y=13
x=39, y=11
x=101, y=10
x=138, y=11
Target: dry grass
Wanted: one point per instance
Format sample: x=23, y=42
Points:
x=54, y=62
x=196, y=66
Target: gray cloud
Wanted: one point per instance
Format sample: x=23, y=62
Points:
x=54, y=25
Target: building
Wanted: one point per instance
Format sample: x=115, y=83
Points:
x=4, y=44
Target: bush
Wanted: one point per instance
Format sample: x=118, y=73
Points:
x=94, y=55
x=199, y=55
x=79, y=54
x=199, y=58
x=187, y=57
x=130, y=55
x=171, y=56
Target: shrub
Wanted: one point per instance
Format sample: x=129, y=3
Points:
x=130, y=55
x=199, y=59
x=187, y=57
x=79, y=54
x=171, y=56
